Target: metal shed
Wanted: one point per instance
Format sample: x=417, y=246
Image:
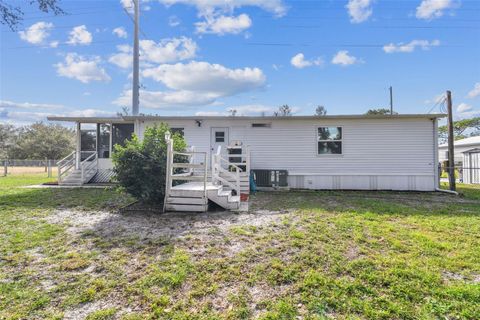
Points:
x=471, y=166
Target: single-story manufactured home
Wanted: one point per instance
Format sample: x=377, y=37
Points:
x=460, y=147
x=354, y=152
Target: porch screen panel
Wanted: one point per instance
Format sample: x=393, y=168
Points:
x=103, y=146
x=121, y=133
x=88, y=139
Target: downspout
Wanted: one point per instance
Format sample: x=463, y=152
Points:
x=435, y=153
x=446, y=191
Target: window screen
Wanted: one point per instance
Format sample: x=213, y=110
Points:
x=219, y=136
x=329, y=140
x=103, y=146
x=122, y=132
x=180, y=131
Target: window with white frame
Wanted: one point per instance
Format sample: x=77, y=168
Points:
x=329, y=140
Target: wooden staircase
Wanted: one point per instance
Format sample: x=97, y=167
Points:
x=190, y=186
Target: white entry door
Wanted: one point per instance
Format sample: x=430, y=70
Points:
x=219, y=137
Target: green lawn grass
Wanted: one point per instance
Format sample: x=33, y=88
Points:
x=314, y=255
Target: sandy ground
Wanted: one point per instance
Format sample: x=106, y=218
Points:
x=27, y=170
x=199, y=228
x=147, y=226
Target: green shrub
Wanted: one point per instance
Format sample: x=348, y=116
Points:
x=140, y=166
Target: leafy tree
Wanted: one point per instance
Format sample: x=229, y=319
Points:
x=283, y=111
x=12, y=15
x=8, y=137
x=40, y=141
x=321, y=111
x=140, y=166
x=460, y=129
x=379, y=111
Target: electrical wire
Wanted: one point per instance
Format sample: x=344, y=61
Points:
x=440, y=100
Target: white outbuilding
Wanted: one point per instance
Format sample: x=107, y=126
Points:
x=471, y=166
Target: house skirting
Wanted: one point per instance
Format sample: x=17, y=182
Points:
x=362, y=182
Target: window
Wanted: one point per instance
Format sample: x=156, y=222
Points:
x=261, y=125
x=103, y=146
x=180, y=131
x=219, y=136
x=329, y=140
x=122, y=132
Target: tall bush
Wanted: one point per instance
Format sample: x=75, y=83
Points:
x=140, y=166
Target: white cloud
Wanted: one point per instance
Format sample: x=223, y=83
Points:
x=463, y=107
x=207, y=78
x=411, y=46
x=343, y=58
x=80, y=35
x=194, y=84
x=27, y=112
x=82, y=68
x=359, y=10
x=165, y=51
x=167, y=99
x=224, y=24
x=37, y=32
x=467, y=115
x=299, y=62
x=207, y=6
x=27, y=105
x=168, y=50
x=120, y=32
x=54, y=44
x=475, y=92
x=431, y=9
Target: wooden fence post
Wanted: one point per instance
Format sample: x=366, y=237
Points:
x=49, y=164
x=5, y=167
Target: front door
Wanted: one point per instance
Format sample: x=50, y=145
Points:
x=219, y=137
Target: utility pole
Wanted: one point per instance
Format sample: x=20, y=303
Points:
x=451, y=149
x=136, y=82
x=391, y=100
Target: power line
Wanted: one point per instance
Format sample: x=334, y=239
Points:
x=46, y=46
x=440, y=100
x=332, y=45
x=133, y=21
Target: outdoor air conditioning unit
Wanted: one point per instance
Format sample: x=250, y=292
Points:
x=271, y=178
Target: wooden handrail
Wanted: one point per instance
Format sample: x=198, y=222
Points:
x=190, y=175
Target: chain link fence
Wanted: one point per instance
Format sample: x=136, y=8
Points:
x=47, y=167
x=463, y=174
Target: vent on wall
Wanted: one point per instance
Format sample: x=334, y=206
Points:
x=261, y=125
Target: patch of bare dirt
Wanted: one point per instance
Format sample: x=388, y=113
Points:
x=452, y=276
x=152, y=226
x=82, y=311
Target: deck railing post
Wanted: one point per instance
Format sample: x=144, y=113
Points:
x=168, y=169
x=205, y=175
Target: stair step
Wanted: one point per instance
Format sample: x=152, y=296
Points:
x=225, y=193
x=193, y=201
x=186, y=208
x=235, y=199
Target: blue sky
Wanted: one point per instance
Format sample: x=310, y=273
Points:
x=209, y=56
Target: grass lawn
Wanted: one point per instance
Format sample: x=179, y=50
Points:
x=69, y=253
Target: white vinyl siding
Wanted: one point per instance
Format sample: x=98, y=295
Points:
x=376, y=153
